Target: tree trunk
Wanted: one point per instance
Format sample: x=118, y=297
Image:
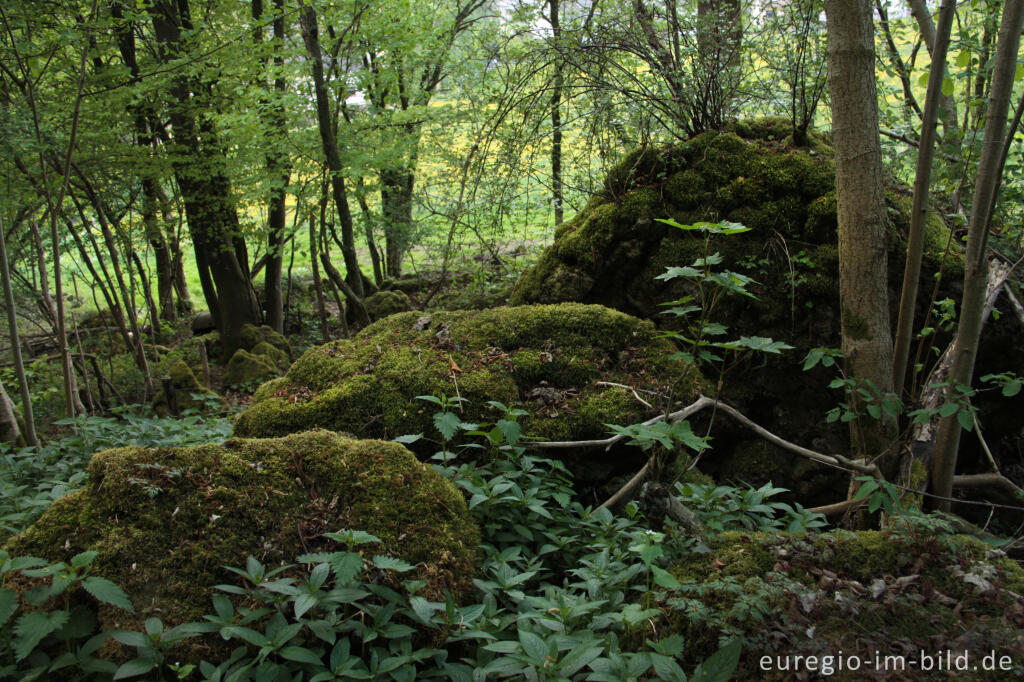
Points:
x=919, y=212
x=311, y=37
x=863, y=233
x=206, y=190
x=950, y=125
x=968, y=332
x=557, y=84
x=9, y=431
x=12, y=323
x=396, y=185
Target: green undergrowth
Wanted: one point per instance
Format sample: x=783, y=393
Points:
x=32, y=478
x=563, y=591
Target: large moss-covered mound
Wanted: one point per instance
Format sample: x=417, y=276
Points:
x=851, y=595
x=613, y=251
x=557, y=361
x=165, y=522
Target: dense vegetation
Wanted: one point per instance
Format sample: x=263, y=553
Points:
x=538, y=340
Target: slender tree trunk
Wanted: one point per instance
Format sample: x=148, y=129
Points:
x=73, y=401
x=311, y=37
x=950, y=124
x=12, y=323
x=318, y=285
x=557, y=84
x=863, y=232
x=968, y=333
x=919, y=212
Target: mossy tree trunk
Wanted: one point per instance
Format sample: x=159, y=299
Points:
x=968, y=333
x=863, y=233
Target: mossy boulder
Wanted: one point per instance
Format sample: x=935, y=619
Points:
x=900, y=592
x=273, y=354
x=247, y=369
x=556, y=361
x=185, y=386
x=167, y=521
x=252, y=336
x=387, y=302
x=614, y=250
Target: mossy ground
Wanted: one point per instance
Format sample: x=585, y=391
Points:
x=551, y=360
x=166, y=522
x=852, y=592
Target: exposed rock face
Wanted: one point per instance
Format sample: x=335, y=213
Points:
x=165, y=522
x=558, y=362
x=613, y=251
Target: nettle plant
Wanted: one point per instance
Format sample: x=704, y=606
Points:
x=702, y=342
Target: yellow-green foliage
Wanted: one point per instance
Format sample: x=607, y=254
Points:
x=246, y=368
x=165, y=522
x=547, y=359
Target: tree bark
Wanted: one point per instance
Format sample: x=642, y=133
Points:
x=12, y=323
x=396, y=206
x=206, y=190
x=965, y=348
x=557, y=85
x=329, y=142
x=863, y=233
x=950, y=124
x=919, y=212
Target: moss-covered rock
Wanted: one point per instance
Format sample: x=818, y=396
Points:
x=252, y=336
x=893, y=593
x=556, y=361
x=614, y=250
x=387, y=302
x=185, y=385
x=247, y=369
x=166, y=522
x=273, y=354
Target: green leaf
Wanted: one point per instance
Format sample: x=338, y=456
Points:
x=1012, y=388
x=533, y=646
x=963, y=58
x=107, y=592
x=510, y=429
x=665, y=579
x=135, y=667
x=721, y=665
x=392, y=564
x=447, y=424
x=947, y=86
x=764, y=344
x=300, y=655
x=8, y=604
x=84, y=559
x=966, y=419
x=408, y=438
x=132, y=638
x=32, y=628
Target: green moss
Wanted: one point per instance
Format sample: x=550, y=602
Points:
x=252, y=335
x=165, y=522
x=245, y=368
x=547, y=359
x=185, y=386
x=388, y=302
x=272, y=354
x=854, y=326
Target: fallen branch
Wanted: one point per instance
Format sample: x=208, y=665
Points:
x=1004, y=488
x=837, y=461
x=831, y=510
x=628, y=487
